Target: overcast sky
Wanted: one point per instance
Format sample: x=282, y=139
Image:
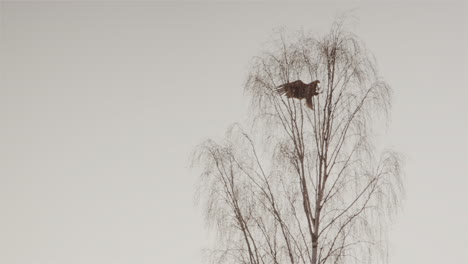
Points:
x=102, y=103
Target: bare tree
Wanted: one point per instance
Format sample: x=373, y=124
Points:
x=304, y=186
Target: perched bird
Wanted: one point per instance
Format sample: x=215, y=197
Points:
x=300, y=90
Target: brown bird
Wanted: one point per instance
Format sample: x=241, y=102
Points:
x=300, y=90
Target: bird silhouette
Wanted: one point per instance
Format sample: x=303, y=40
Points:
x=300, y=90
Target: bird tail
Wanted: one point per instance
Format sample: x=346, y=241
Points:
x=309, y=103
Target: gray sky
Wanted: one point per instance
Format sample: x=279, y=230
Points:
x=102, y=103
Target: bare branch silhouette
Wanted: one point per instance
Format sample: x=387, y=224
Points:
x=305, y=185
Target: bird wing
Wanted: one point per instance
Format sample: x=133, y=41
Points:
x=294, y=89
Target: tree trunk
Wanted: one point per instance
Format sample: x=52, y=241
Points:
x=314, y=250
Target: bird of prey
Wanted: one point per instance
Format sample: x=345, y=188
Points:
x=300, y=90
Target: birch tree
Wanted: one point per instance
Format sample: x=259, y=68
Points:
x=302, y=185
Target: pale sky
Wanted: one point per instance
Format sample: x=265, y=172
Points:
x=102, y=103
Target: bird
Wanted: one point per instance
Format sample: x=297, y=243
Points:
x=300, y=90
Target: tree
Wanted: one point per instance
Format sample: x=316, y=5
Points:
x=304, y=186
